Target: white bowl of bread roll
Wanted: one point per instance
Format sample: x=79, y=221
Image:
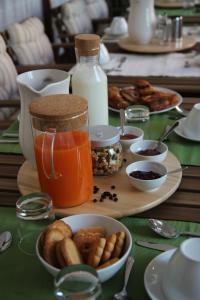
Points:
x=99, y=241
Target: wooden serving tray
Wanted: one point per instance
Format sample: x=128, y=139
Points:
x=153, y=47
x=131, y=201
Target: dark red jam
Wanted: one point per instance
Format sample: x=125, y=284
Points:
x=145, y=175
x=149, y=152
x=128, y=136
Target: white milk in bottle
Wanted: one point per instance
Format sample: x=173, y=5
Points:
x=89, y=80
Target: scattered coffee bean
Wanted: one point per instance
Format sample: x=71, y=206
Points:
x=95, y=189
x=105, y=195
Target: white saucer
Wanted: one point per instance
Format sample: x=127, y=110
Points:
x=110, y=33
x=153, y=275
x=179, y=130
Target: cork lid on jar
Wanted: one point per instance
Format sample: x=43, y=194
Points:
x=61, y=112
x=87, y=44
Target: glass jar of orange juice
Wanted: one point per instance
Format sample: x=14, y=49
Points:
x=62, y=148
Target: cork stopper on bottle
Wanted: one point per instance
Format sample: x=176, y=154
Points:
x=61, y=112
x=87, y=44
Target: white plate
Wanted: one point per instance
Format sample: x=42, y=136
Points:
x=180, y=100
x=180, y=132
x=153, y=275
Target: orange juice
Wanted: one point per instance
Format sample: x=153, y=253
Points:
x=71, y=182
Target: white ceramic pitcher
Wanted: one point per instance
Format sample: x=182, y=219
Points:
x=141, y=21
x=31, y=85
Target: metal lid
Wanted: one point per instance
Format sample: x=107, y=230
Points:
x=103, y=135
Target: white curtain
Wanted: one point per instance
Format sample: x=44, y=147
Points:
x=18, y=10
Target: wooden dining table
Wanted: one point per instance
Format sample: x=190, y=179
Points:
x=184, y=204
x=187, y=86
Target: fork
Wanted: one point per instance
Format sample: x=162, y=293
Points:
x=119, y=65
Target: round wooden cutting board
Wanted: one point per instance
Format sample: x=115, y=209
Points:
x=153, y=47
x=130, y=200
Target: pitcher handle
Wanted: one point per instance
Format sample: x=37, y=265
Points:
x=48, y=149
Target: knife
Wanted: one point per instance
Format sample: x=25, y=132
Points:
x=156, y=246
x=9, y=141
x=10, y=134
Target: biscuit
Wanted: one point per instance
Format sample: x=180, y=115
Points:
x=109, y=247
x=59, y=256
x=108, y=263
x=42, y=237
x=70, y=252
x=62, y=226
x=99, y=230
x=119, y=244
x=52, y=236
x=95, y=254
x=85, y=242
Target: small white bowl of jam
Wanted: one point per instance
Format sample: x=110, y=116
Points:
x=146, y=175
x=149, y=150
x=131, y=135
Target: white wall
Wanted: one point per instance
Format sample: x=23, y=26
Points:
x=18, y=10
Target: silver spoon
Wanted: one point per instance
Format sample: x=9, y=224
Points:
x=177, y=170
x=168, y=231
x=122, y=120
x=121, y=61
x=181, y=111
x=123, y=295
x=167, y=132
x=5, y=240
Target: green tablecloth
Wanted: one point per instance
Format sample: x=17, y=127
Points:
x=178, y=11
x=186, y=151
x=11, y=148
x=23, y=277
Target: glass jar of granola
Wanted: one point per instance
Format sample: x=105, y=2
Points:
x=106, y=149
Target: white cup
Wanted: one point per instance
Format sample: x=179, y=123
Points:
x=118, y=26
x=181, y=279
x=104, y=56
x=191, y=125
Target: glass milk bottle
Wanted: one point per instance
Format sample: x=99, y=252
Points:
x=62, y=148
x=89, y=80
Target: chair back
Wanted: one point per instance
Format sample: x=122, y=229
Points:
x=64, y=19
x=30, y=43
x=76, y=18
x=8, y=85
x=97, y=9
